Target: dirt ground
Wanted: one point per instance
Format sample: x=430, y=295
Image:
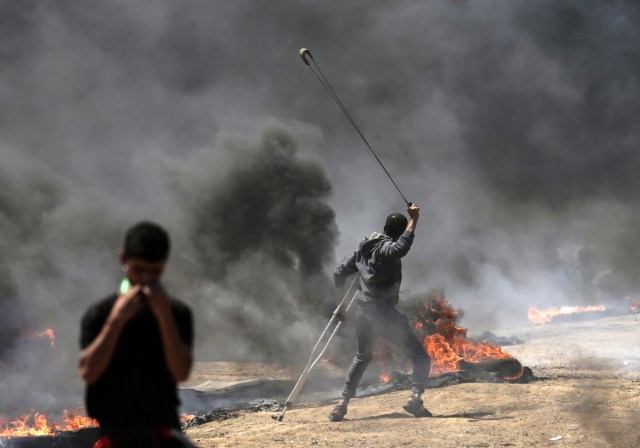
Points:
x=587, y=394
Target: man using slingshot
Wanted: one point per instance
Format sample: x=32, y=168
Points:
x=378, y=262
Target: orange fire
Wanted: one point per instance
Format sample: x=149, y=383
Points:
x=185, y=419
x=542, y=317
x=445, y=342
x=36, y=424
x=385, y=357
x=49, y=333
x=443, y=357
x=635, y=304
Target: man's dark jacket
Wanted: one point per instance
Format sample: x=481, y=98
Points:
x=378, y=262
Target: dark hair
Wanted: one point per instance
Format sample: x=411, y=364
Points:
x=148, y=241
x=396, y=225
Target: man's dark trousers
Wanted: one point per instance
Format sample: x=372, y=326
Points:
x=375, y=321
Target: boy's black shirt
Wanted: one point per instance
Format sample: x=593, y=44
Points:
x=136, y=390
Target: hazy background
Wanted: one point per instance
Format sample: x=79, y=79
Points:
x=513, y=124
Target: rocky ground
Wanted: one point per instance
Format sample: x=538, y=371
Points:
x=587, y=394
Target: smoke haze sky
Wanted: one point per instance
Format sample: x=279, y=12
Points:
x=511, y=123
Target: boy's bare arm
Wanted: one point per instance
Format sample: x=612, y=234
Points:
x=176, y=352
x=95, y=358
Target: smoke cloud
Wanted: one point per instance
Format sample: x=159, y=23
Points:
x=263, y=234
x=511, y=126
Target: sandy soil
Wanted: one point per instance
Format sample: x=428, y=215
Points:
x=587, y=395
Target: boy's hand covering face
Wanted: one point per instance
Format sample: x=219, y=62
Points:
x=157, y=300
x=142, y=287
x=129, y=304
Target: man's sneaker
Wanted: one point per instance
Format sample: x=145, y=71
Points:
x=338, y=413
x=415, y=407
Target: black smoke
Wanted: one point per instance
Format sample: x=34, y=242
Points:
x=263, y=233
x=27, y=194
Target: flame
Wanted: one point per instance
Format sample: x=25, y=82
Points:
x=447, y=344
x=444, y=341
x=185, y=419
x=635, y=304
x=50, y=334
x=74, y=421
x=542, y=317
x=385, y=357
x=36, y=424
x=443, y=357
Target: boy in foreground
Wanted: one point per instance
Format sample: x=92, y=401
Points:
x=136, y=346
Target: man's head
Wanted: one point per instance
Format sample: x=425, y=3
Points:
x=395, y=225
x=145, y=252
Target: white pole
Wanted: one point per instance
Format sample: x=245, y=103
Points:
x=315, y=355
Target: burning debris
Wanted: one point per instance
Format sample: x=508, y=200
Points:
x=81, y=438
x=36, y=430
x=458, y=358
x=542, y=317
x=36, y=424
x=75, y=430
x=579, y=313
x=635, y=304
x=22, y=428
